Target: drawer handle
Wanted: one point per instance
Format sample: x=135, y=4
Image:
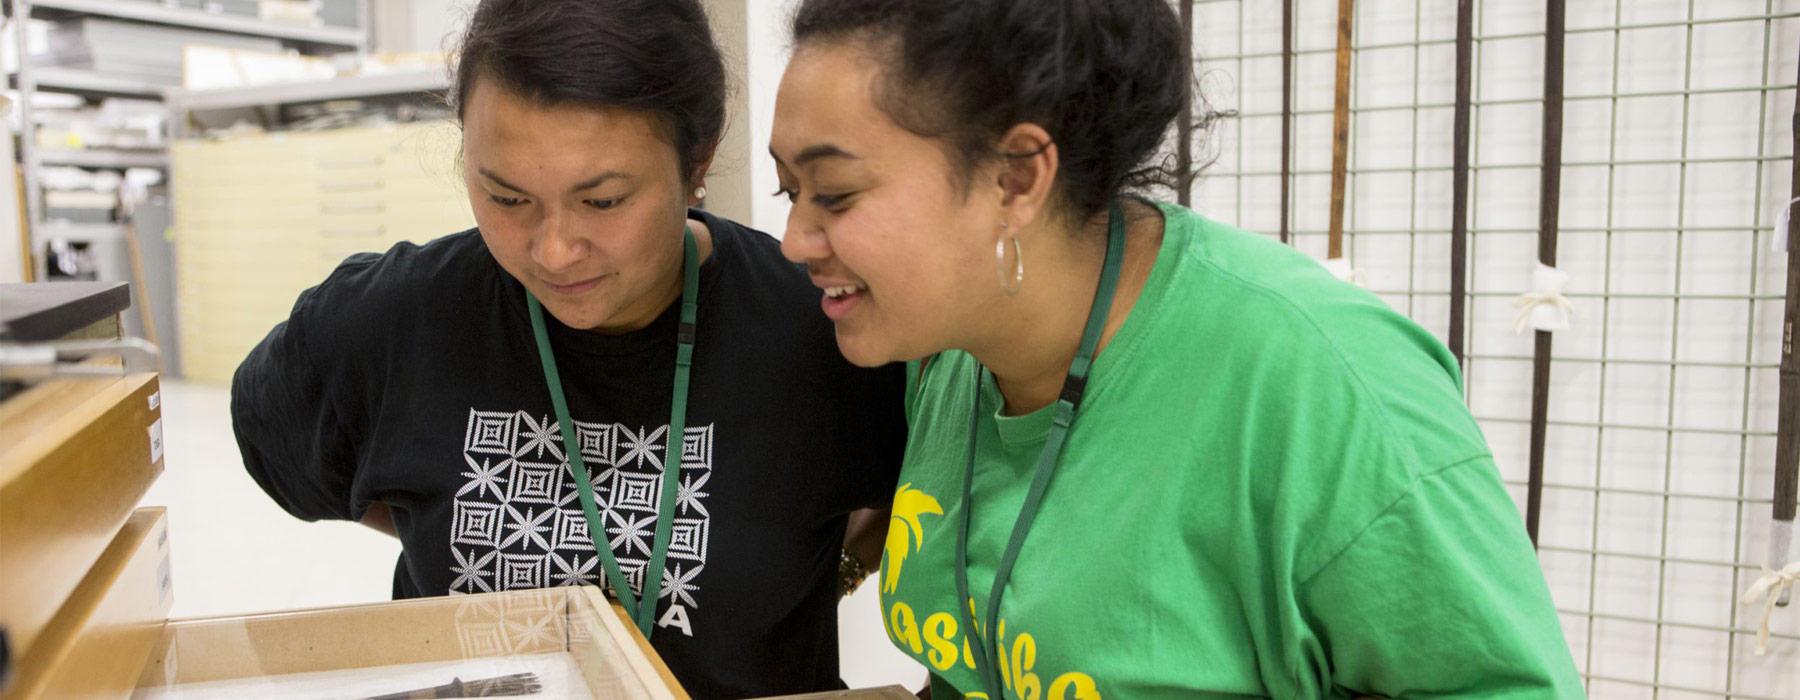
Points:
x=367, y=208
x=361, y=186
x=353, y=232
x=351, y=163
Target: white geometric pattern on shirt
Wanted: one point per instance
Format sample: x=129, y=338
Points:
x=517, y=523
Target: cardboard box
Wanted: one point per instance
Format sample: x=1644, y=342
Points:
x=76, y=455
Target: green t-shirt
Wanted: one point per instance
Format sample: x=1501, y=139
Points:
x=1272, y=489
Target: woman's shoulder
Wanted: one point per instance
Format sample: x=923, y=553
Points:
x=757, y=279
x=407, y=266
x=371, y=291
x=742, y=246
x=1244, y=290
x=1249, y=313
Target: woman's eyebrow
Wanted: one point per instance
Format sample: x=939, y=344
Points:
x=489, y=174
x=815, y=152
x=595, y=181
x=589, y=183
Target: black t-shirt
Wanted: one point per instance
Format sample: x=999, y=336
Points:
x=411, y=378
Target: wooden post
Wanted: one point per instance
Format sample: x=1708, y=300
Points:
x=1340, y=129
x=1549, y=201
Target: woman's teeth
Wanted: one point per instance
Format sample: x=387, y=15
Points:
x=835, y=292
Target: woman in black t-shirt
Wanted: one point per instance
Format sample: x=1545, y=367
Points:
x=598, y=385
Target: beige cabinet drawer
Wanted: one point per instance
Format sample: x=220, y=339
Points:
x=425, y=149
x=286, y=215
x=315, y=190
x=260, y=219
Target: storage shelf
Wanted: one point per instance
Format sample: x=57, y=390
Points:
x=84, y=232
x=182, y=17
x=103, y=158
x=87, y=82
x=397, y=83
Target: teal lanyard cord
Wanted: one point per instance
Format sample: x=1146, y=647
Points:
x=987, y=638
x=643, y=611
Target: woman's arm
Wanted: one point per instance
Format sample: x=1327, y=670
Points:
x=1442, y=596
x=864, y=535
x=863, y=539
x=378, y=517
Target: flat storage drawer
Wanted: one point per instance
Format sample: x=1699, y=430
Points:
x=95, y=647
x=569, y=642
x=78, y=455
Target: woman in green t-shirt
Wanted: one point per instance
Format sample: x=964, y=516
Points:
x=1151, y=455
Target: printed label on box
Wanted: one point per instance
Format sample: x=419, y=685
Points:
x=165, y=582
x=156, y=443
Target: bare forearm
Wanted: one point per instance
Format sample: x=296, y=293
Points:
x=378, y=517
x=865, y=535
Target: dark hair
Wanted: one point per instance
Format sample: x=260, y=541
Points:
x=652, y=55
x=1106, y=79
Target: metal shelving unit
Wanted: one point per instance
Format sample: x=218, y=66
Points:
x=155, y=273
x=31, y=79
x=84, y=231
x=90, y=83
x=154, y=13
x=104, y=158
x=182, y=102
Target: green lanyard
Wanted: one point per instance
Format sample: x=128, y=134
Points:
x=643, y=612
x=1063, y=418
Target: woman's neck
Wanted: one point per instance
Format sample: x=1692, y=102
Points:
x=1040, y=328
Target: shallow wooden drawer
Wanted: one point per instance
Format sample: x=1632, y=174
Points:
x=888, y=692
x=96, y=645
x=572, y=640
x=78, y=455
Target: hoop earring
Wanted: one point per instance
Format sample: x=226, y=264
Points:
x=1018, y=271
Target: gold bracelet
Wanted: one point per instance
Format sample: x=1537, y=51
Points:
x=851, y=572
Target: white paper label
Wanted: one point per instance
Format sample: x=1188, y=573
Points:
x=156, y=443
x=165, y=581
x=1781, y=229
x=155, y=400
x=1551, y=312
x=1341, y=269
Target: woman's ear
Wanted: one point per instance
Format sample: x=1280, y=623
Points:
x=701, y=164
x=1028, y=162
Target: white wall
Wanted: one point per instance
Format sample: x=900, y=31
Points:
x=1675, y=283
x=411, y=26
x=768, y=54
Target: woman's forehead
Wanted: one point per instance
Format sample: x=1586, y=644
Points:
x=501, y=126
x=826, y=101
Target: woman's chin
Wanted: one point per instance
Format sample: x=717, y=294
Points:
x=862, y=350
